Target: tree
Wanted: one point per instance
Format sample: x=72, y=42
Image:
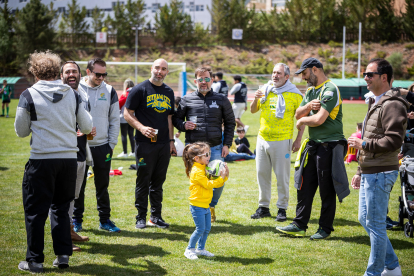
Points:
x=125, y=17
x=97, y=19
x=33, y=29
x=409, y=18
x=73, y=22
x=173, y=25
x=7, y=53
x=217, y=13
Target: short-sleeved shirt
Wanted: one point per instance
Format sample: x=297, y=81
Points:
x=331, y=100
x=152, y=104
x=6, y=93
x=273, y=128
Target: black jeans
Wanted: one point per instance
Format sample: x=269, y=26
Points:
x=48, y=184
x=152, y=164
x=102, y=165
x=244, y=149
x=317, y=173
x=127, y=129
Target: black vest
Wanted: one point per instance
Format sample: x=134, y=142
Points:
x=224, y=89
x=240, y=96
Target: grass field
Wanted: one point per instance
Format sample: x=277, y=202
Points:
x=242, y=246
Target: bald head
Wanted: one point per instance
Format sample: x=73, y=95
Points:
x=159, y=71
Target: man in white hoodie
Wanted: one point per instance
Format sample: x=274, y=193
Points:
x=49, y=110
x=278, y=101
x=105, y=113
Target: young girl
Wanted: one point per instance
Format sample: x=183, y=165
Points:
x=196, y=156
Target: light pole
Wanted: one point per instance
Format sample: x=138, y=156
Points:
x=136, y=28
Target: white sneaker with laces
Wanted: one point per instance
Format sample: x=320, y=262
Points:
x=190, y=254
x=204, y=253
x=122, y=154
x=395, y=272
x=246, y=128
x=131, y=154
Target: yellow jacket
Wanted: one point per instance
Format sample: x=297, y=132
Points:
x=201, y=188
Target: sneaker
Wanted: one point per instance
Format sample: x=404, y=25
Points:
x=159, y=222
x=131, y=154
x=61, y=261
x=246, y=128
x=213, y=214
x=190, y=253
x=32, y=267
x=122, y=154
x=319, y=235
x=292, y=230
x=76, y=248
x=109, y=226
x=261, y=212
x=390, y=223
x=281, y=215
x=140, y=224
x=7, y=116
x=204, y=253
x=77, y=226
x=394, y=272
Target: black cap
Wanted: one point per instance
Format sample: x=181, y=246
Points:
x=309, y=63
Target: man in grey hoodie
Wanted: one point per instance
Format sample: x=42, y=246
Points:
x=49, y=110
x=105, y=113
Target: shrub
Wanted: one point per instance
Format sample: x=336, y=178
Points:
x=325, y=54
x=396, y=60
x=333, y=60
x=334, y=44
x=339, y=75
x=289, y=56
x=409, y=46
x=350, y=56
x=381, y=54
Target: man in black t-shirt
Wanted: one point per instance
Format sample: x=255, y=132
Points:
x=149, y=108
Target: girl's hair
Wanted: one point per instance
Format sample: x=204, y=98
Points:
x=191, y=151
x=127, y=84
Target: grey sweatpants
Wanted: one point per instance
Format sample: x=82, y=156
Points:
x=276, y=155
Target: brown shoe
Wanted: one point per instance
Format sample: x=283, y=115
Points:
x=75, y=237
x=76, y=248
x=213, y=214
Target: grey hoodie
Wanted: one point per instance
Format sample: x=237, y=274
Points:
x=47, y=109
x=105, y=112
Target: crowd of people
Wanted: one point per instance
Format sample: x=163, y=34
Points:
x=63, y=147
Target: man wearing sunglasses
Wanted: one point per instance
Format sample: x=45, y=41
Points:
x=211, y=110
x=103, y=100
x=322, y=157
x=382, y=136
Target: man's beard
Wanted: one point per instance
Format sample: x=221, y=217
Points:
x=72, y=85
x=313, y=80
x=154, y=78
x=280, y=82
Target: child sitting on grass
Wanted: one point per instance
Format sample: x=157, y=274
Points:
x=242, y=143
x=196, y=156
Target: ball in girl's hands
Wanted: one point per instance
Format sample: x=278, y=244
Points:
x=214, y=168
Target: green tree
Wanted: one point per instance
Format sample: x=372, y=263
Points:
x=173, y=25
x=386, y=23
x=73, y=22
x=97, y=19
x=125, y=17
x=7, y=53
x=217, y=13
x=33, y=28
x=409, y=18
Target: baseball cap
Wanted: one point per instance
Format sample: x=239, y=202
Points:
x=309, y=63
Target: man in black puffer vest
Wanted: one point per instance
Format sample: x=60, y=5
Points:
x=220, y=85
x=205, y=111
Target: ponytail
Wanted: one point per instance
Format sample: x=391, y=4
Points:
x=190, y=151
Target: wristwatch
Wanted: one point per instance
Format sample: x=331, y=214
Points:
x=364, y=144
x=172, y=140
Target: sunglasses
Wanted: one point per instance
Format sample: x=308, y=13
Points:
x=206, y=79
x=98, y=75
x=370, y=75
x=207, y=154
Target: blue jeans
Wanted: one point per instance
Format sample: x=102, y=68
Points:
x=373, y=203
x=237, y=156
x=216, y=154
x=202, y=220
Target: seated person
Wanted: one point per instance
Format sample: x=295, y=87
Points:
x=352, y=152
x=234, y=155
x=241, y=142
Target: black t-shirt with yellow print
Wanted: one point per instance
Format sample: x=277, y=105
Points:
x=152, y=105
x=331, y=100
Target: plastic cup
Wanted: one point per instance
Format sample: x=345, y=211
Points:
x=154, y=138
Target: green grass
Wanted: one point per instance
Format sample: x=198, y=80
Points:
x=242, y=246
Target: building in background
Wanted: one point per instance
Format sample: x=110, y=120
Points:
x=197, y=9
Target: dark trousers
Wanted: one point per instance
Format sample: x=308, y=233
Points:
x=152, y=164
x=48, y=184
x=102, y=165
x=243, y=149
x=317, y=173
x=127, y=129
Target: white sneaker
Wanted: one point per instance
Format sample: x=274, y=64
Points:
x=131, y=154
x=122, y=154
x=190, y=254
x=395, y=272
x=246, y=128
x=204, y=253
